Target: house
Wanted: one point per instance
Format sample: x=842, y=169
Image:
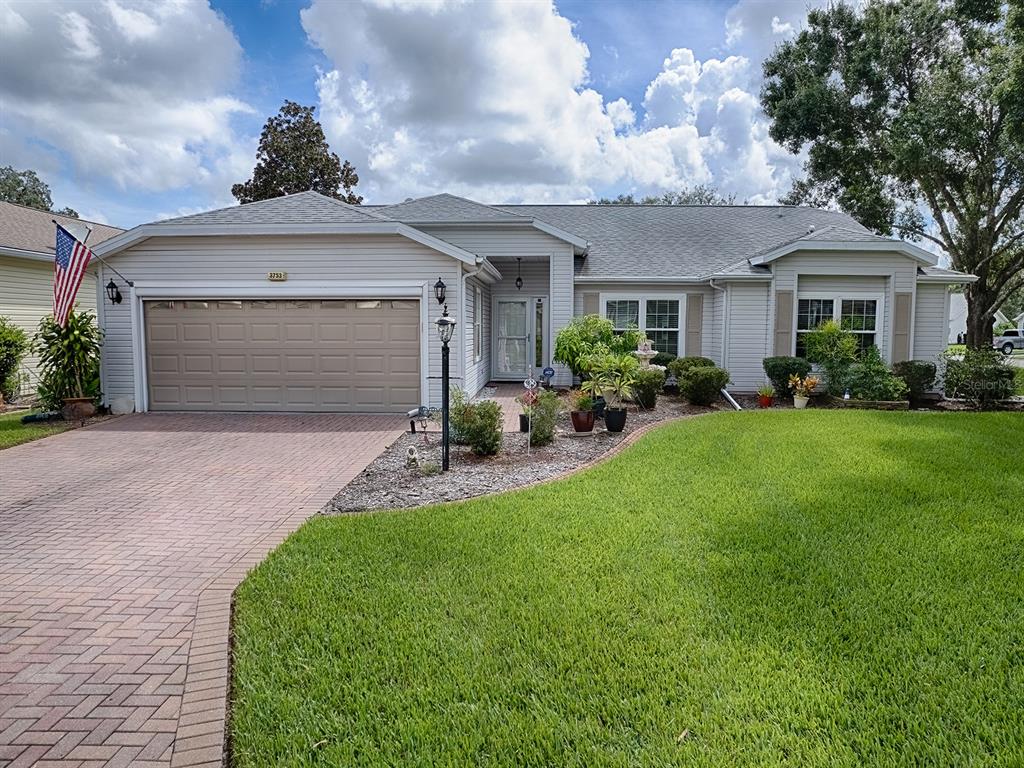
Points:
x=27, y=241
x=305, y=303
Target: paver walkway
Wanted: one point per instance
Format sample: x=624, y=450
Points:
x=120, y=545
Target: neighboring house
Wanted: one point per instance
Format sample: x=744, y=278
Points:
x=958, y=318
x=27, y=240
x=1019, y=320
x=306, y=303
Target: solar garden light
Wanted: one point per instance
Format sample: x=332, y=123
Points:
x=445, y=329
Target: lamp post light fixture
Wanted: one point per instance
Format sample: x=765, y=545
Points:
x=519, y=273
x=113, y=293
x=439, y=290
x=445, y=329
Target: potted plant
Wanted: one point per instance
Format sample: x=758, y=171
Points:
x=582, y=413
x=766, y=396
x=614, y=376
x=69, y=363
x=802, y=389
x=527, y=400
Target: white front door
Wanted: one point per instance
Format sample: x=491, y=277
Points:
x=519, y=336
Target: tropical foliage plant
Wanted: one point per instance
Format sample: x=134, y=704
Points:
x=69, y=358
x=13, y=345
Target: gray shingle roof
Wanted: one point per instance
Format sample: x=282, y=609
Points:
x=300, y=208
x=681, y=241
x=30, y=229
x=446, y=208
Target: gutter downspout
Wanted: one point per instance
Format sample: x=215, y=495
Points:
x=462, y=317
x=725, y=320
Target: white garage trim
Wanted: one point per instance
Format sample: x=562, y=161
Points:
x=298, y=289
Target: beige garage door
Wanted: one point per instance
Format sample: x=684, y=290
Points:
x=220, y=355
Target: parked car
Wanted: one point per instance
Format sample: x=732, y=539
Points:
x=1009, y=340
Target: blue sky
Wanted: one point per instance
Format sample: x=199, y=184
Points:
x=149, y=110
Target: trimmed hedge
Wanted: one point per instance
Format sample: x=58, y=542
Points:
x=779, y=369
x=701, y=384
x=681, y=365
x=919, y=376
x=649, y=382
x=481, y=427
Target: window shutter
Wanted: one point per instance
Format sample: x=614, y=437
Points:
x=590, y=304
x=901, y=327
x=694, y=324
x=784, y=323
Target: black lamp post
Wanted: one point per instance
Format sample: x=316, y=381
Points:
x=445, y=329
x=113, y=293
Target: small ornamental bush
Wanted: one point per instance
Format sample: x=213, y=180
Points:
x=1019, y=379
x=681, y=365
x=457, y=404
x=663, y=359
x=780, y=369
x=919, y=376
x=543, y=415
x=591, y=335
x=701, y=385
x=13, y=346
x=648, y=383
x=982, y=377
x=871, y=379
x=481, y=427
x=835, y=350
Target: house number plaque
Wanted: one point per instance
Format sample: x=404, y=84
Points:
x=277, y=277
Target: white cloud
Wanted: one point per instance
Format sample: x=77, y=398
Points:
x=137, y=94
x=493, y=101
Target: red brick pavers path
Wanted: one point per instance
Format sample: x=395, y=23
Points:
x=120, y=546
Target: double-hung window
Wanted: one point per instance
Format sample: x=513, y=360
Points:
x=655, y=316
x=859, y=316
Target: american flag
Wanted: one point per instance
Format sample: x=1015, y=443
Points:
x=68, y=271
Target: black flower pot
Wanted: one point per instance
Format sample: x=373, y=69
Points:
x=524, y=422
x=615, y=419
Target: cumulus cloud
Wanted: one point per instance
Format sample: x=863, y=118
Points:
x=493, y=100
x=134, y=93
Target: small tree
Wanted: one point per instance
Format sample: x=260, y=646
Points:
x=294, y=156
x=590, y=335
x=13, y=345
x=835, y=350
x=69, y=358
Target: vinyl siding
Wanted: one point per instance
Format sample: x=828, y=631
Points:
x=222, y=262
x=749, y=330
x=26, y=296
x=478, y=373
x=931, y=322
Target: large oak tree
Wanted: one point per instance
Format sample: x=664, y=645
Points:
x=911, y=113
x=26, y=188
x=294, y=156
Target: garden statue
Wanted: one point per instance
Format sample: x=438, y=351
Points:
x=645, y=352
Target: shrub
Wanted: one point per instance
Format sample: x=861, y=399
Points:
x=871, y=379
x=835, y=350
x=13, y=345
x=982, y=377
x=663, y=359
x=649, y=382
x=1018, y=376
x=588, y=335
x=681, y=365
x=581, y=401
x=481, y=427
x=457, y=404
x=69, y=358
x=544, y=414
x=919, y=376
x=611, y=376
x=701, y=384
x=779, y=369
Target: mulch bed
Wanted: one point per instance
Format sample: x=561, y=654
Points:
x=388, y=483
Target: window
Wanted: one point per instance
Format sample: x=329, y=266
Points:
x=859, y=316
x=478, y=336
x=657, y=317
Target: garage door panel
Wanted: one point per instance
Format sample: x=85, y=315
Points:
x=331, y=355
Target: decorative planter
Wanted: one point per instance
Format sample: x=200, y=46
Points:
x=765, y=401
x=615, y=419
x=799, y=401
x=524, y=422
x=582, y=421
x=78, y=408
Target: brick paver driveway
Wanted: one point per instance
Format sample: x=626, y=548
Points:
x=120, y=545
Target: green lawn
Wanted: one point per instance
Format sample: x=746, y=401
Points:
x=803, y=588
x=13, y=432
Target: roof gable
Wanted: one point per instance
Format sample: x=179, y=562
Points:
x=300, y=208
x=445, y=208
x=32, y=230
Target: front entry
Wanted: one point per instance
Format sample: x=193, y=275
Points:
x=521, y=343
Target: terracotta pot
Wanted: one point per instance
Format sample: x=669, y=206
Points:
x=615, y=419
x=582, y=421
x=800, y=402
x=78, y=408
x=765, y=401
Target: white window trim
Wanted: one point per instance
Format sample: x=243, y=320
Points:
x=837, y=310
x=478, y=324
x=642, y=297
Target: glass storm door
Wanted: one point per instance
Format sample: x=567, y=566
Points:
x=513, y=353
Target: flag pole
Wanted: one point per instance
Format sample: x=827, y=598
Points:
x=98, y=258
